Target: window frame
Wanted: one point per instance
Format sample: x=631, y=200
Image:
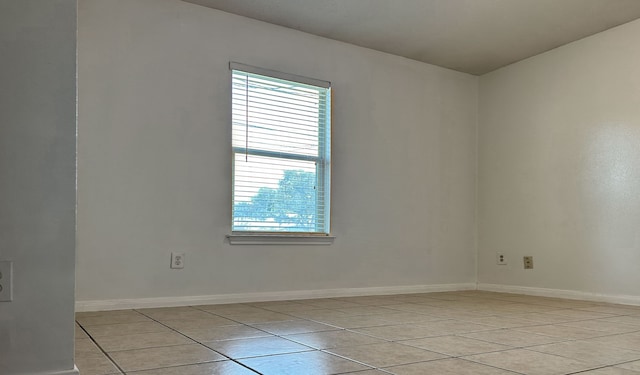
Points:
x=323, y=169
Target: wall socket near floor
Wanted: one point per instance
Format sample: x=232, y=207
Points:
x=177, y=260
x=501, y=259
x=528, y=262
x=6, y=281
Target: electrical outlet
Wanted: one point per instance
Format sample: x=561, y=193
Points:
x=501, y=259
x=528, y=262
x=177, y=260
x=6, y=281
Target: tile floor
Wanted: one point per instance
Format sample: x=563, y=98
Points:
x=469, y=332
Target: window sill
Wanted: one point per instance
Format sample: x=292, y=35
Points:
x=279, y=239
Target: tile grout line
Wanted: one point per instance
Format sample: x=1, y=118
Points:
x=101, y=349
x=197, y=341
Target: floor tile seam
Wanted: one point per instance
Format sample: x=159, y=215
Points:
x=282, y=335
x=561, y=322
x=289, y=312
x=108, y=324
x=375, y=303
x=184, y=365
x=532, y=348
x=372, y=367
x=349, y=328
x=125, y=334
x=542, y=304
x=555, y=312
x=441, y=334
x=625, y=362
x=617, y=346
x=373, y=326
x=273, y=355
x=297, y=319
x=234, y=324
x=224, y=317
x=605, y=320
x=201, y=344
x=635, y=334
x=333, y=347
x=515, y=347
x=591, y=369
x=535, y=324
x=614, y=333
x=258, y=313
x=636, y=327
x=614, y=314
x=154, y=347
x=551, y=354
x=180, y=365
x=371, y=335
x=574, y=338
x=360, y=345
x=467, y=360
x=221, y=316
x=629, y=324
x=333, y=328
x=405, y=310
x=517, y=372
x=461, y=355
x=390, y=311
x=100, y=337
x=546, y=335
x=246, y=323
x=113, y=362
x=347, y=315
x=233, y=339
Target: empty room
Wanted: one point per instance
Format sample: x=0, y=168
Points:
x=231, y=187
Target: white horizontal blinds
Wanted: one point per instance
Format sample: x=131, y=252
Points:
x=281, y=118
x=280, y=154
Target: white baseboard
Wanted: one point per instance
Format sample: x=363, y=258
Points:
x=561, y=293
x=74, y=371
x=120, y=304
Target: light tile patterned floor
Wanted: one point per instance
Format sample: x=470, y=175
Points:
x=455, y=333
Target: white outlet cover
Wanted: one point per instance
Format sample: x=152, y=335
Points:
x=6, y=281
x=177, y=260
x=501, y=259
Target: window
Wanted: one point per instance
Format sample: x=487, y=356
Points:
x=281, y=152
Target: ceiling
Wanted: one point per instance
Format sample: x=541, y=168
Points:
x=472, y=36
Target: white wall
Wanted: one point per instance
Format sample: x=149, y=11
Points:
x=155, y=159
x=559, y=168
x=37, y=183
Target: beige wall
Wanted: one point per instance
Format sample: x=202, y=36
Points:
x=154, y=159
x=37, y=184
x=559, y=168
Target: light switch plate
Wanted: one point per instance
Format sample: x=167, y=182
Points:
x=6, y=281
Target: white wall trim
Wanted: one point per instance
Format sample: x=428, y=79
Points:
x=561, y=293
x=119, y=304
x=74, y=371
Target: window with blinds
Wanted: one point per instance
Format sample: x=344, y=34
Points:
x=281, y=152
